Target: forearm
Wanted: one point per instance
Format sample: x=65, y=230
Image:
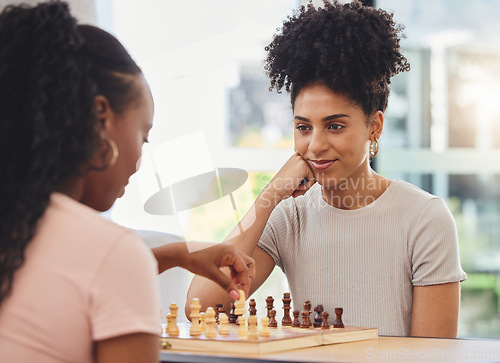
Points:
x=170, y=255
x=244, y=237
x=210, y=294
x=246, y=234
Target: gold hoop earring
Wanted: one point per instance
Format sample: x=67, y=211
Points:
x=114, y=147
x=374, y=148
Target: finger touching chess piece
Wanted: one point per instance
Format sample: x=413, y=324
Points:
x=240, y=304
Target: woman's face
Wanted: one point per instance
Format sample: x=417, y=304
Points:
x=129, y=130
x=332, y=134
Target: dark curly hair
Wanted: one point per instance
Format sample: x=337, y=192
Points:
x=351, y=48
x=51, y=69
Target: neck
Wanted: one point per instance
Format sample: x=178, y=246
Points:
x=72, y=187
x=356, y=191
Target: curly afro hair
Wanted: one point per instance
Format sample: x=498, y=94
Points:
x=51, y=69
x=351, y=48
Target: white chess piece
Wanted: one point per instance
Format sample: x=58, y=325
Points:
x=173, y=328
x=195, y=318
x=264, y=331
x=203, y=326
x=252, y=326
x=169, y=323
x=210, y=322
x=242, y=330
x=223, y=324
x=240, y=304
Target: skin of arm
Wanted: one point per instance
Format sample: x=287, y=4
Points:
x=206, y=260
x=435, y=310
x=209, y=293
x=286, y=183
x=131, y=348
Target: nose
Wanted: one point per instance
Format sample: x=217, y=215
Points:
x=318, y=142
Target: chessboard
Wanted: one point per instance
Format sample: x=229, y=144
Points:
x=281, y=338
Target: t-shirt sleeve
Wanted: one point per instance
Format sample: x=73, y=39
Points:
x=433, y=246
x=124, y=294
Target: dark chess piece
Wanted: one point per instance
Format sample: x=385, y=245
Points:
x=307, y=307
x=269, y=305
x=287, y=320
x=338, y=320
x=317, y=318
x=252, y=310
x=221, y=309
x=272, y=319
x=233, y=318
x=324, y=323
x=296, y=321
x=217, y=310
x=305, y=319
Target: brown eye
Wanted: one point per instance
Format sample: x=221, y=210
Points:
x=336, y=126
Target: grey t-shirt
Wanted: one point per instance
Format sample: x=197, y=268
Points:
x=365, y=260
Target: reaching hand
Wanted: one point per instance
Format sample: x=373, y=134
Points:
x=208, y=261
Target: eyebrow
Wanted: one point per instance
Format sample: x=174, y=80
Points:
x=327, y=118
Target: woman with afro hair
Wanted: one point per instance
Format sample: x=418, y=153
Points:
x=383, y=250
x=75, y=111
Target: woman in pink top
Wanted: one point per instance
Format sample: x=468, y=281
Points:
x=75, y=111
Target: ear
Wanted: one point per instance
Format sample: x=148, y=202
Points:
x=104, y=113
x=376, y=124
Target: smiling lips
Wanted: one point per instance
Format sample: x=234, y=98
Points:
x=321, y=164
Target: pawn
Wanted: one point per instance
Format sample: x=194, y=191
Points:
x=264, y=331
x=242, y=329
x=195, y=318
x=307, y=307
x=252, y=327
x=169, y=323
x=338, y=320
x=317, y=318
x=222, y=310
x=305, y=322
x=272, y=319
x=217, y=309
x=223, y=324
x=203, y=325
x=296, y=321
x=210, y=321
x=324, y=317
x=233, y=318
